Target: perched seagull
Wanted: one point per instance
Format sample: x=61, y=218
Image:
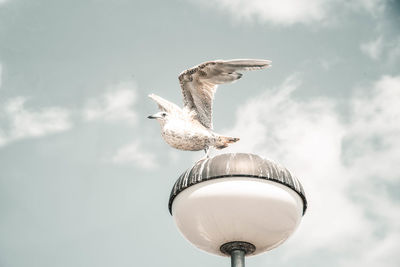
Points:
x=191, y=128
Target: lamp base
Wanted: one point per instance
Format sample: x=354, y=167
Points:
x=237, y=250
x=229, y=247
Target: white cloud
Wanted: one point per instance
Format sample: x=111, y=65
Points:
x=373, y=49
x=133, y=153
x=22, y=123
x=328, y=64
x=284, y=12
x=374, y=7
x=373, y=138
x=393, y=53
x=385, y=49
x=115, y=105
x=287, y=12
x=339, y=164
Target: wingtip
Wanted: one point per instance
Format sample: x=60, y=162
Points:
x=267, y=63
x=262, y=62
x=250, y=64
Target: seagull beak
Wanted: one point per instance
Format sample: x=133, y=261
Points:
x=151, y=117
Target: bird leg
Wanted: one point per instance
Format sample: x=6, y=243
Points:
x=206, y=150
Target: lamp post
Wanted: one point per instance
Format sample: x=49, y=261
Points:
x=237, y=205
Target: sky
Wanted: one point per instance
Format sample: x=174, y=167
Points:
x=85, y=177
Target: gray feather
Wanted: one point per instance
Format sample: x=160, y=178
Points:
x=199, y=83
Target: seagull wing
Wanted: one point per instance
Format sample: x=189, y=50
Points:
x=200, y=83
x=165, y=105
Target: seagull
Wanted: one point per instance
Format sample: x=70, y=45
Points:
x=190, y=128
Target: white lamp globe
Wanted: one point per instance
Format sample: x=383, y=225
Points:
x=239, y=199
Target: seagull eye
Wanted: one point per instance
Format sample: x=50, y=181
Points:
x=164, y=114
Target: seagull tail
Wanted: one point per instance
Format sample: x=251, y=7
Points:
x=224, y=141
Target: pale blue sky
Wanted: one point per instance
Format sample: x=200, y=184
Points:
x=85, y=177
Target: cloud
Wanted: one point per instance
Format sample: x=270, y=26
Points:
x=374, y=7
x=115, y=105
x=287, y=12
x=373, y=49
x=345, y=167
x=283, y=12
x=393, y=54
x=134, y=154
x=22, y=123
x=385, y=49
x=328, y=64
x=373, y=138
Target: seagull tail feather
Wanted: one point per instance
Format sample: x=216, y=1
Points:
x=224, y=141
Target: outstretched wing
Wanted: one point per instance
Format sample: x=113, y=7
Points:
x=165, y=105
x=200, y=83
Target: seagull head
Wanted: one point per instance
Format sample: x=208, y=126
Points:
x=161, y=116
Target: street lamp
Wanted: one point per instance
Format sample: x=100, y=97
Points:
x=237, y=204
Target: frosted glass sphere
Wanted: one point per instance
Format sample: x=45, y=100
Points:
x=237, y=197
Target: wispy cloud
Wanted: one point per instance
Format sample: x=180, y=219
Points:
x=18, y=122
x=374, y=7
x=383, y=48
x=115, y=105
x=340, y=164
x=133, y=153
x=393, y=53
x=328, y=64
x=373, y=49
x=372, y=140
x=287, y=12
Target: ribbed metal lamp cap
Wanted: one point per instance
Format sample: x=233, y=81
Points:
x=236, y=165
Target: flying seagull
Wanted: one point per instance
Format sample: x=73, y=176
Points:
x=191, y=128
